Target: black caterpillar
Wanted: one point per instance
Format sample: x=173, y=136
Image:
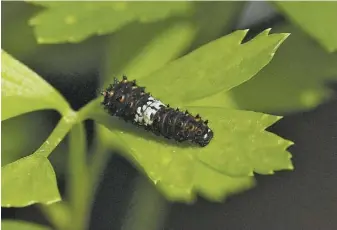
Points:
x=127, y=100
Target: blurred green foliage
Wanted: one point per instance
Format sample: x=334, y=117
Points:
x=75, y=21
x=19, y=225
x=296, y=79
x=316, y=19
x=152, y=42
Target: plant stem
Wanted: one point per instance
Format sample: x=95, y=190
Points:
x=58, y=214
x=84, y=177
x=62, y=128
x=78, y=184
x=147, y=209
x=89, y=109
x=99, y=159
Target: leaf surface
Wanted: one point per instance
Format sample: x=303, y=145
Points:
x=24, y=91
x=175, y=171
x=241, y=145
x=75, y=21
x=28, y=181
x=218, y=66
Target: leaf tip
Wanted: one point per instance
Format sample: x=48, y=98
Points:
x=291, y=167
x=331, y=49
x=285, y=36
x=244, y=33
x=266, y=31
x=241, y=34
x=40, y=40
x=290, y=143
x=271, y=172
x=33, y=22
x=57, y=199
x=277, y=118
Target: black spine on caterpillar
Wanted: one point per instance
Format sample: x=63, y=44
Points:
x=126, y=100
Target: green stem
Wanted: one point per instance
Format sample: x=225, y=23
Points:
x=62, y=128
x=99, y=160
x=90, y=109
x=78, y=183
x=84, y=177
x=147, y=209
x=82, y=180
x=58, y=214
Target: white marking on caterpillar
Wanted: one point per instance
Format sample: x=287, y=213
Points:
x=206, y=135
x=137, y=118
x=148, y=111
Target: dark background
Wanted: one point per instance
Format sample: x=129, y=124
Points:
x=305, y=198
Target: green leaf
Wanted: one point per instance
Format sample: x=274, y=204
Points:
x=156, y=44
x=160, y=42
x=296, y=79
x=19, y=225
x=28, y=181
x=180, y=172
x=315, y=18
x=49, y=59
x=174, y=170
x=216, y=186
x=241, y=145
x=75, y=21
x=217, y=66
x=24, y=91
x=14, y=27
x=32, y=179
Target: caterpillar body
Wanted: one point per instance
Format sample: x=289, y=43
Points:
x=125, y=99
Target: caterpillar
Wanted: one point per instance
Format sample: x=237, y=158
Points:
x=127, y=100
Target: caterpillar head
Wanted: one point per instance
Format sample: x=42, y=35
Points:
x=203, y=134
x=198, y=131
